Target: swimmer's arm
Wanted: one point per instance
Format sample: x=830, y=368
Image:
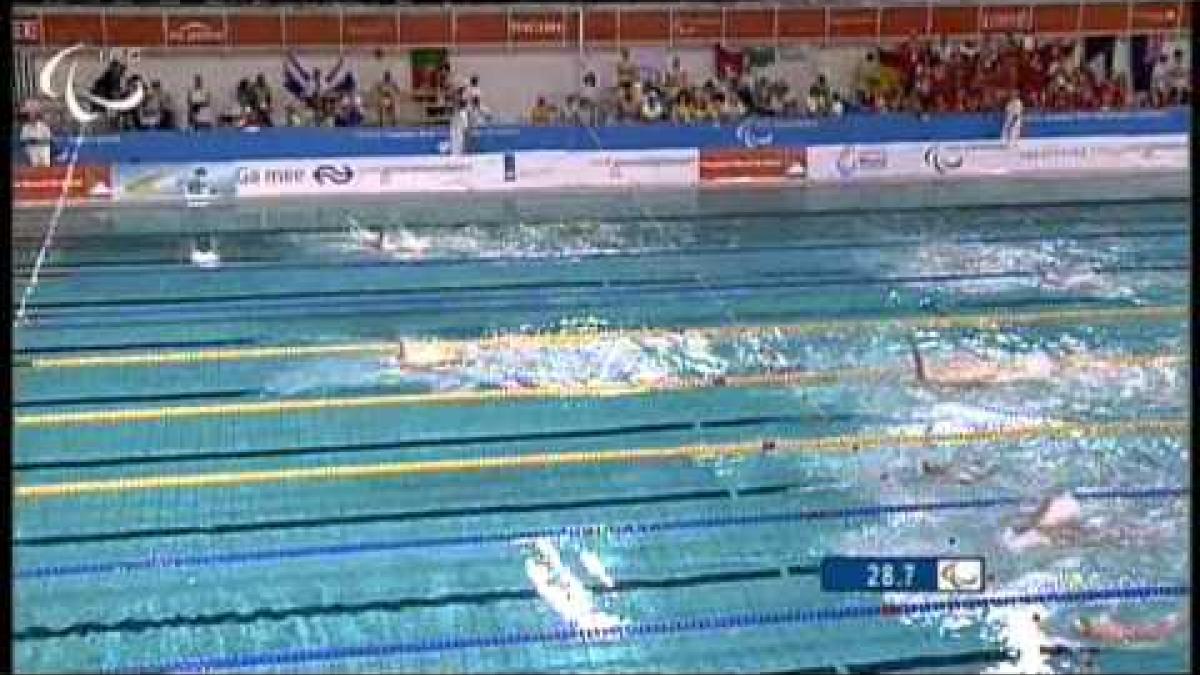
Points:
x=918, y=362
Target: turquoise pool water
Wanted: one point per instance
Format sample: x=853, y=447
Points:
x=428, y=572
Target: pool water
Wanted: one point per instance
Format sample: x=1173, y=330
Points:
x=352, y=514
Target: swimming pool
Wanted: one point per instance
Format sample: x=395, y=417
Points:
x=221, y=468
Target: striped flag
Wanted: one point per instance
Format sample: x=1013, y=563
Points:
x=299, y=81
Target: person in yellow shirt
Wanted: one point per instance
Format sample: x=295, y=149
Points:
x=706, y=110
x=542, y=113
x=684, y=110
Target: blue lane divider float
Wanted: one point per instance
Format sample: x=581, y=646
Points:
x=798, y=616
x=572, y=531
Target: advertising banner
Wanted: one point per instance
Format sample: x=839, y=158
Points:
x=751, y=166
x=45, y=184
x=994, y=158
x=370, y=175
x=175, y=182
x=556, y=169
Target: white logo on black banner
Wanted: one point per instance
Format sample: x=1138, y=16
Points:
x=46, y=85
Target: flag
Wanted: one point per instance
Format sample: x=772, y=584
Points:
x=729, y=62
x=426, y=64
x=299, y=81
x=760, y=57
x=295, y=78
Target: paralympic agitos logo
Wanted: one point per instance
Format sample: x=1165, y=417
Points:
x=942, y=161
x=71, y=96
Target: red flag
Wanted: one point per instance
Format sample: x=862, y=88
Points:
x=729, y=62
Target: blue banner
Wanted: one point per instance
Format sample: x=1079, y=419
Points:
x=154, y=147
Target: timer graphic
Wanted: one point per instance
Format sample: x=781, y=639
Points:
x=956, y=574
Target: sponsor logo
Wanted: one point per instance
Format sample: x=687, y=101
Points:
x=754, y=134
x=336, y=175
x=196, y=32
x=26, y=30
x=71, y=97
x=535, y=28
x=942, y=160
x=253, y=177
x=853, y=159
x=617, y=163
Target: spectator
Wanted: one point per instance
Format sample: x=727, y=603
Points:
x=867, y=76
x=836, y=107
x=627, y=70
x=1179, y=78
x=260, y=97
x=199, y=102
x=460, y=128
x=653, y=109
x=684, y=110
x=293, y=117
x=629, y=104
x=1013, y=114
x=542, y=113
x=824, y=94
x=570, y=112
x=36, y=138
x=706, y=110
x=729, y=108
x=150, y=112
x=676, y=79
x=109, y=86
x=386, y=95
x=243, y=95
x=473, y=91
x=478, y=113
x=168, y=106
x=128, y=119
x=349, y=112
x=589, y=100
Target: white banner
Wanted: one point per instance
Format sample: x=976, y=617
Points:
x=1035, y=156
x=370, y=175
x=625, y=168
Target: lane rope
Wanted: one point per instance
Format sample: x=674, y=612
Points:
x=466, y=397
x=619, y=530
x=795, y=616
x=828, y=444
x=967, y=321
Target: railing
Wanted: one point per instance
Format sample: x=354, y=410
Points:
x=577, y=27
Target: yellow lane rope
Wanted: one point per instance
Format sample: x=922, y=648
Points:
x=603, y=390
x=827, y=444
x=574, y=339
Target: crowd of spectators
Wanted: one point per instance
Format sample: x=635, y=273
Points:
x=919, y=77
x=916, y=76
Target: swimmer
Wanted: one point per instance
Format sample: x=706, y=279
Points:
x=205, y=258
x=421, y=356
x=1058, y=521
x=970, y=371
x=1109, y=630
x=949, y=472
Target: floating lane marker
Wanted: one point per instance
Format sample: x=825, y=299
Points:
x=574, y=339
x=295, y=658
x=762, y=380
x=827, y=444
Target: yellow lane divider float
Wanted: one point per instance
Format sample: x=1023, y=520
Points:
x=785, y=379
x=574, y=339
x=827, y=444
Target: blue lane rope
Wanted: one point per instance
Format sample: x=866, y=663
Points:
x=570, y=531
x=657, y=628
